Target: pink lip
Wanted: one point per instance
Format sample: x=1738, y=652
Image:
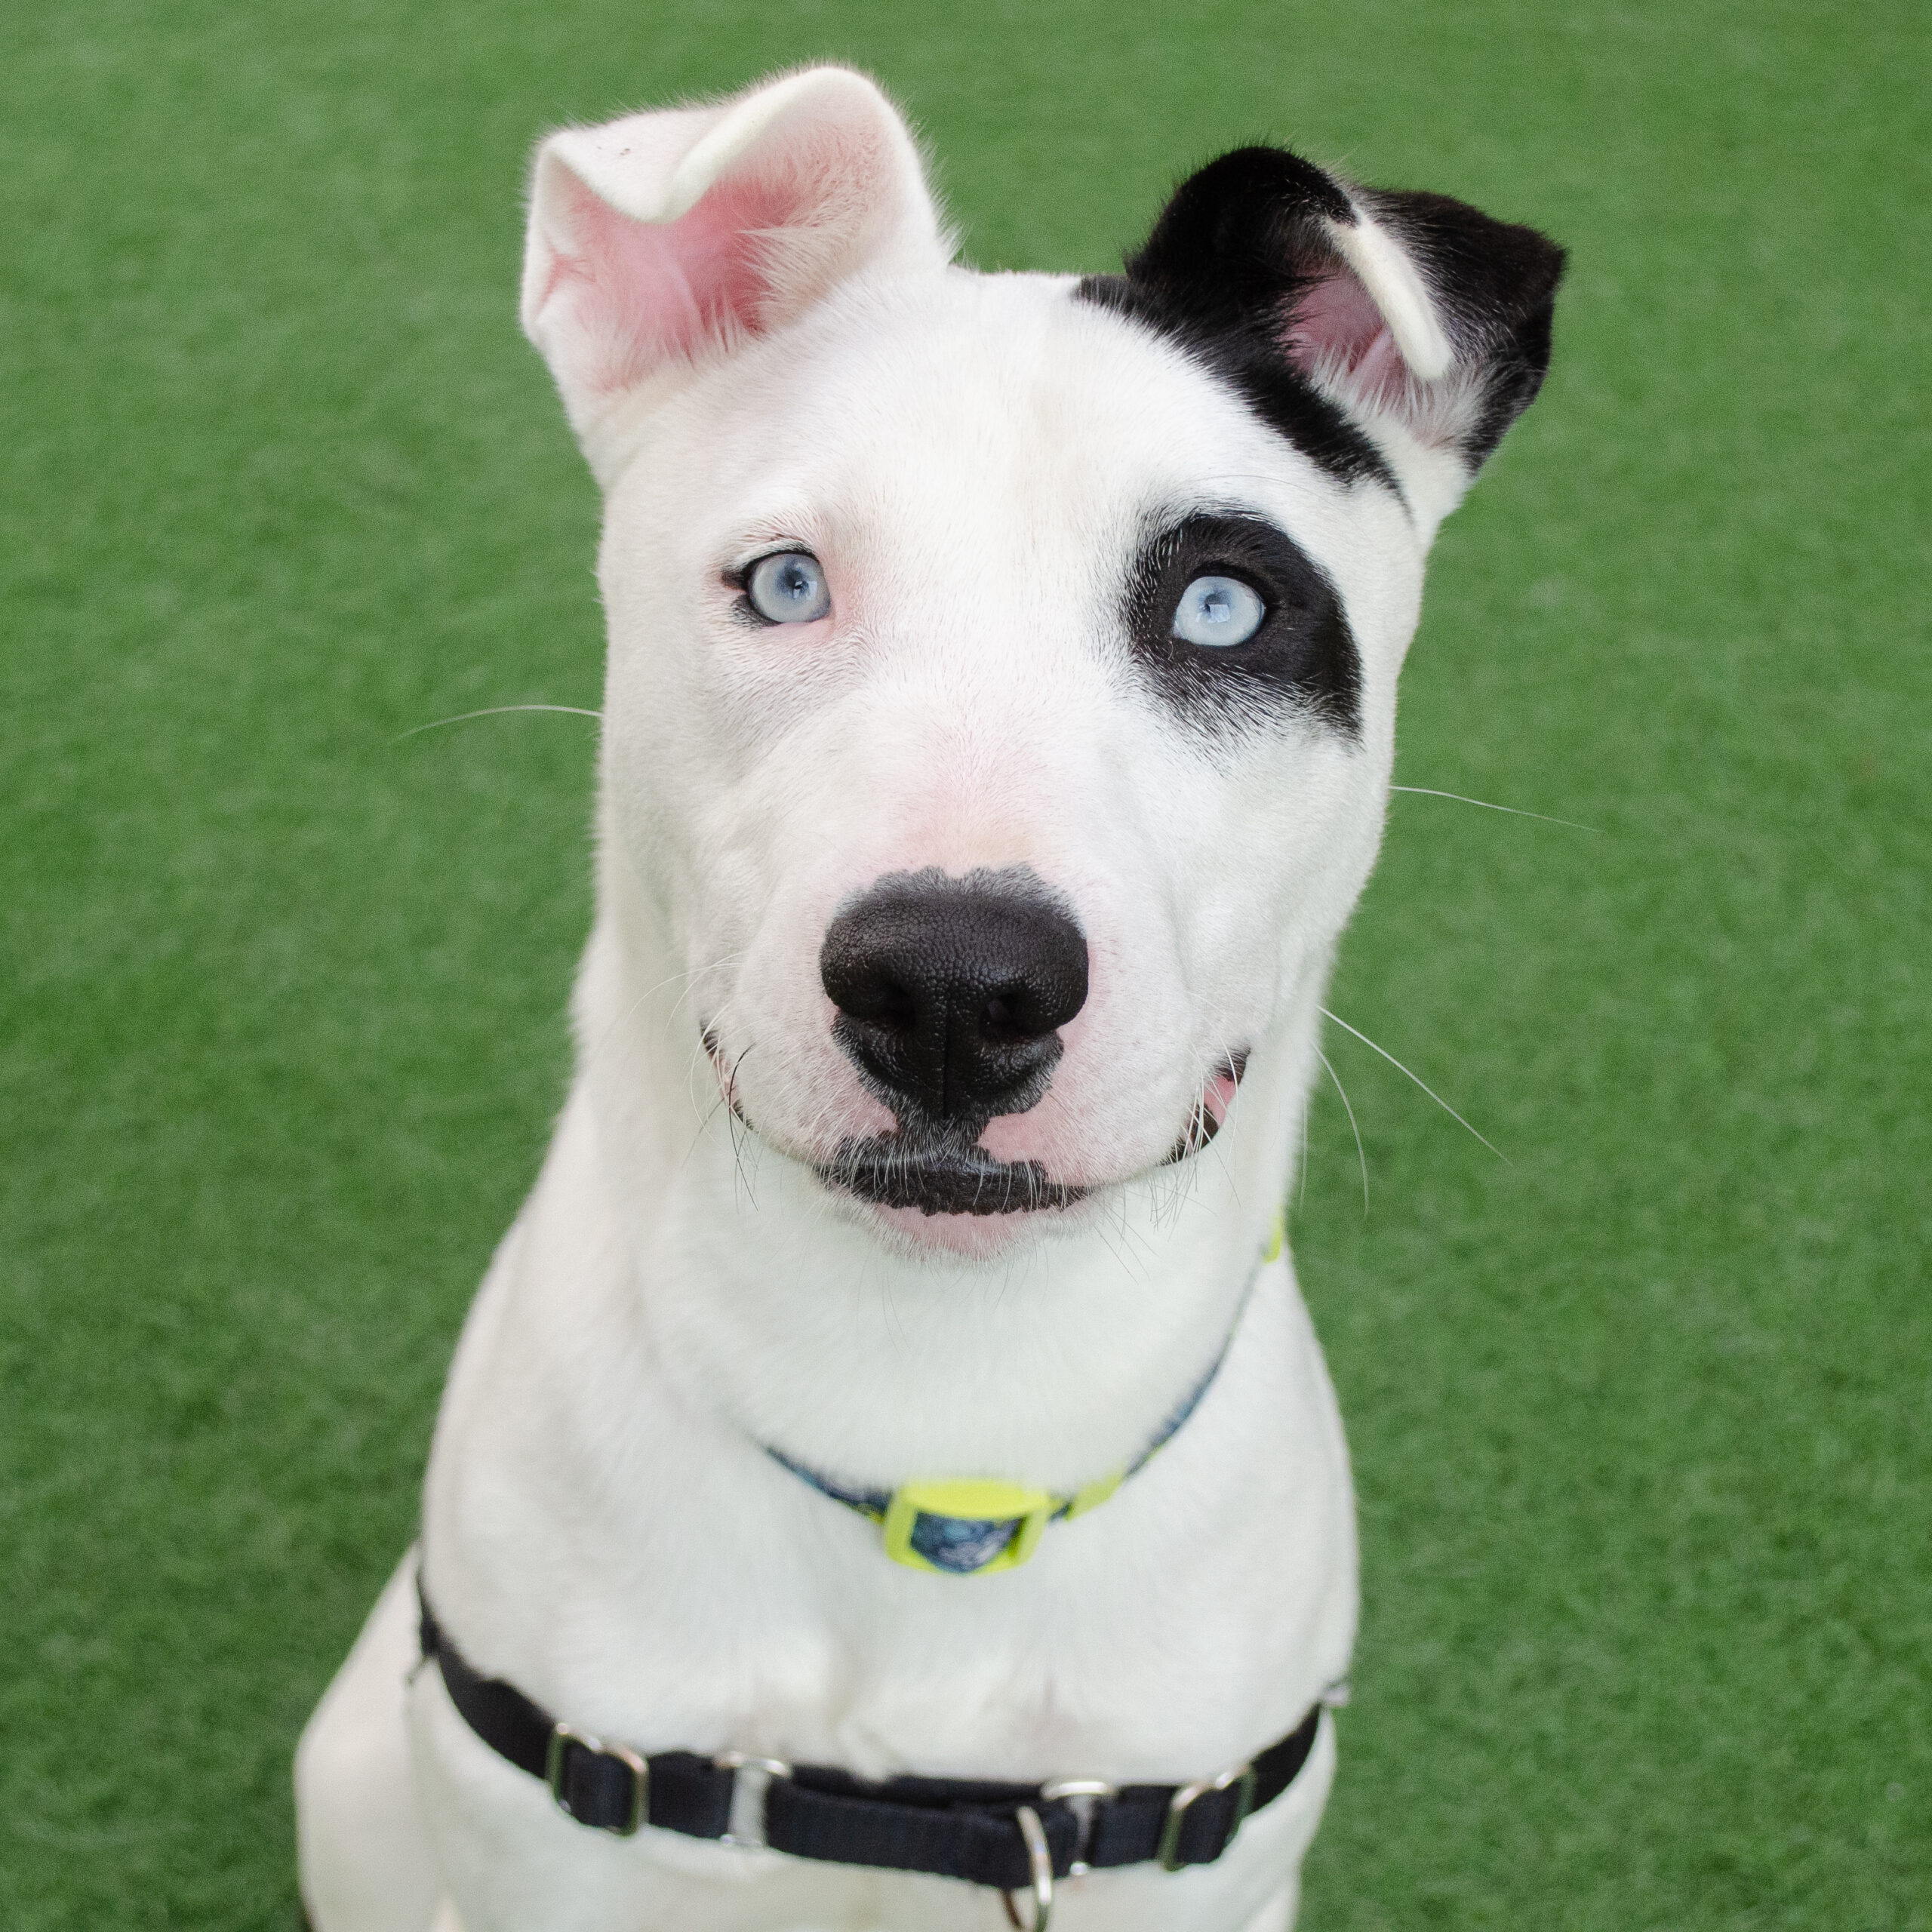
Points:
x=1211, y=1112
x=1218, y=1096
x=972, y=1235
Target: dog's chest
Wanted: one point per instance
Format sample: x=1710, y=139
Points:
x=660, y=1581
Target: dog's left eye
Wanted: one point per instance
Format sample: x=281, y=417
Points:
x=788, y=587
x=1216, y=611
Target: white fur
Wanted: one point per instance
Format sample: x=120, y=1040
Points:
x=1397, y=290
x=972, y=457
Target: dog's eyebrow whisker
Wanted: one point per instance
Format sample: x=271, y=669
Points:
x=493, y=711
x=1360, y=1155
x=1419, y=1082
x=1514, y=811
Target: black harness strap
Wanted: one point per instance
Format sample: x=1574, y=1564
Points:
x=955, y=1828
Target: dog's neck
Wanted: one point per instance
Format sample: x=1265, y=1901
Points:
x=1053, y=1363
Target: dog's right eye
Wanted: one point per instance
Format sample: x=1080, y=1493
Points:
x=788, y=587
x=1217, y=612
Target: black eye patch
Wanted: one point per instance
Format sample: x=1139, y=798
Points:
x=1301, y=661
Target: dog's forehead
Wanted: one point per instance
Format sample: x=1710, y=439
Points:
x=999, y=408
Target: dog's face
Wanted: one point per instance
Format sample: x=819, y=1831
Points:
x=1002, y=673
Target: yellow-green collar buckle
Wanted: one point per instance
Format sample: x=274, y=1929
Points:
x=971, y=1526
x=966, y=1527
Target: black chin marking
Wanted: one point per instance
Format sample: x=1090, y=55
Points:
x=937, y=1176
x=891, y=1172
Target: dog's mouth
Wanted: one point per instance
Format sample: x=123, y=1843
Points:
x=935, y=1175
x=891, y=1171
x=1210, y=1108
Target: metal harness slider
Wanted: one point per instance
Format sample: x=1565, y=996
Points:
x=564, y=1738
x=1079, y=1795
x=1169, y=1851
x=745, y=1825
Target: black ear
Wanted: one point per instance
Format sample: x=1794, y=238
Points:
x=1493, y=285
x=1339, y=311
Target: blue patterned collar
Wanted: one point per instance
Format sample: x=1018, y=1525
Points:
x=972, y=1526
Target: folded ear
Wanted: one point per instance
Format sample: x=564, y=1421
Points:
x=662, y=238
x=1344, y=312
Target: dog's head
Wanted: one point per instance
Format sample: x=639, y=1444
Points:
x=1001, y=700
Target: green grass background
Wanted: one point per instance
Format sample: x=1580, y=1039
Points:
x=1640, y=1419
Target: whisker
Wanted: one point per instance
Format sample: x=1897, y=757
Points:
x=1514, y=811
x=701, y=1057
x=699, y=1134
x=604, y=1039
x=696, y=973
x=690, y=1085
x=493, y=711
x=738, y=1173
x=1352, y=1128
x=1421, y=1082
x=1120, y=1258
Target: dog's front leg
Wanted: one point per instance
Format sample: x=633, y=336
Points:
x=366, y=1865
x=1277, y=1915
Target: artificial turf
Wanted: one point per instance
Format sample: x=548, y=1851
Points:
x=1640, y=1418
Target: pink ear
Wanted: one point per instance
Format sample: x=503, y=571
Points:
x=640, y=292
x=1336, y=334
x=1365, y=322
x=660, y=239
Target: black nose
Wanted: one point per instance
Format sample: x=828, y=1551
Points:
x=950, y=991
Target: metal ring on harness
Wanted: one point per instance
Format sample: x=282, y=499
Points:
x=1040, y=1860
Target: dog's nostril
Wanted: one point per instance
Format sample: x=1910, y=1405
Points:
x=951, y=991
x=1013, y=1016
x=898, y=1006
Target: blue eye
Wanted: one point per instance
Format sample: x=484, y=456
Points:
x=1218, y=611
x=788, y=587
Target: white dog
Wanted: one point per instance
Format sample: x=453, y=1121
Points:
x=997, y=736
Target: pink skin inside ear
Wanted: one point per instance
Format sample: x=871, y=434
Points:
x=647, y=290
x=1336, y=329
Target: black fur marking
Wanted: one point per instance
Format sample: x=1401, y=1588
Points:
x=1243, y=241
x=1495, y=285
x=1233, y=252
x=1303, y=660
x=894, y=1172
